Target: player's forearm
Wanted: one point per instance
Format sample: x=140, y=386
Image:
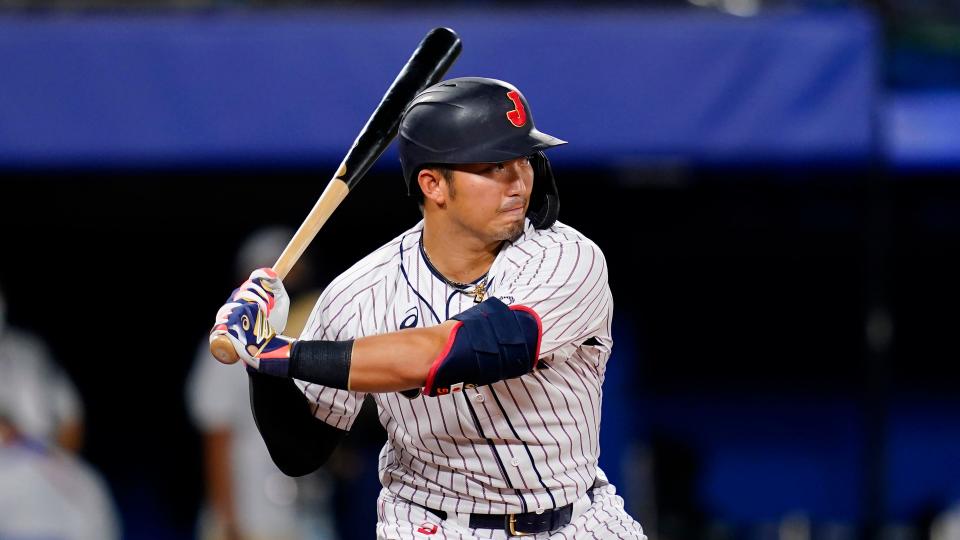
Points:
x=383, y=363
x=398, y=360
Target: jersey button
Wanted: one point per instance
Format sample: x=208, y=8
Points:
x=478, y=398
x=515, y=462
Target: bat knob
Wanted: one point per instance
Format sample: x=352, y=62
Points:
x=222, y=350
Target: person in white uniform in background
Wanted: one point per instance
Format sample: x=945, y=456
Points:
x=39, y=396
x=46, y=491
x=247, y=497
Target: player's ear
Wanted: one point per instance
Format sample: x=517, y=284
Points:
x=432, y=184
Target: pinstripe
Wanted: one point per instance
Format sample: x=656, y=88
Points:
x=533, y=275
x=591, y=297
x=453, y=454
x=518, y=245
x=573, y=295
x=541, y=379
x=589, y=320
x=373, y=307
x=463, y=460
x=423, y=443
x=492, y=447
x=386, y=286
x=335, y=283
x=427, y=406
x=345, y=280
x=588, y=329
x=336, y=336
x=472, y=446
x=559, y=258
x=549, y=433
x=514, y=263
x=594, y=407
x=607, y=523
x=506, y=471
x=554, y=373
x=344, y=306
x=526, y=448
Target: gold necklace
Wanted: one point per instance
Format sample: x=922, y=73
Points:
x=479, y=290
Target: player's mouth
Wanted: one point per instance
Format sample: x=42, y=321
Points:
x=514, y=208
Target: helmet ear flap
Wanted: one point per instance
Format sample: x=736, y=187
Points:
x=545, y=200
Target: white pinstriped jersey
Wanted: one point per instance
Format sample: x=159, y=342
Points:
x=512, y=446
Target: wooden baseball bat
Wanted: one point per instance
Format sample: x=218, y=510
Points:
x=432, y=58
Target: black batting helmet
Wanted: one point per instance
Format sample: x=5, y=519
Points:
x=478, y=120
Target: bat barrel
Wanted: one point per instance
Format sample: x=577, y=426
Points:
x=427, y=65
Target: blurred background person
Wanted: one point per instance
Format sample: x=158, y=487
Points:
x=946, y=526
x=247, y=497
x=46, y=491
x=39, y=397
x=49, y=493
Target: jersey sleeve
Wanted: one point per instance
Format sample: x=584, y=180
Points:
x=338, y=408
x=565, y=283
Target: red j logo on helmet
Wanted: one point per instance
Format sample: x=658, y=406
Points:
x=517, y=116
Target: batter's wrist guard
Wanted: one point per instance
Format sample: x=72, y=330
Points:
x=322, y=362
x=491, y=342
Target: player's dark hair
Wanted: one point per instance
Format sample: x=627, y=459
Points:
x=445, y=171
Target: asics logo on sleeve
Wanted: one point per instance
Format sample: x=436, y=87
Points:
x=410, y=320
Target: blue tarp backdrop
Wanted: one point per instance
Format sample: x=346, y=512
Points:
x=292, y=88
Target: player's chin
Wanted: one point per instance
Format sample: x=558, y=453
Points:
x=510, y=229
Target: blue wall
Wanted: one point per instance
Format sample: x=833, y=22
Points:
x=295, y=87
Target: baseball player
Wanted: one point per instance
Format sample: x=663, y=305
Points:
x=482, y=333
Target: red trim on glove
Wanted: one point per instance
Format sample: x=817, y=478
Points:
x=428, y=385
x=282, y=352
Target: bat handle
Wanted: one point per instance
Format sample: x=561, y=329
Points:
x=329, y=200
x=222, y=349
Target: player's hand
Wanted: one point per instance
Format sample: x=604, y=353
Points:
x=247, y=326
x=264, y=288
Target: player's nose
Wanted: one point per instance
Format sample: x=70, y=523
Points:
x=518, y=171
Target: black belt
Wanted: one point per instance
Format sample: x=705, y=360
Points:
x=521, y=524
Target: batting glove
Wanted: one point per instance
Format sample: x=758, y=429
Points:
x=256, y=341
x=264, y=288
x=254, y=315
